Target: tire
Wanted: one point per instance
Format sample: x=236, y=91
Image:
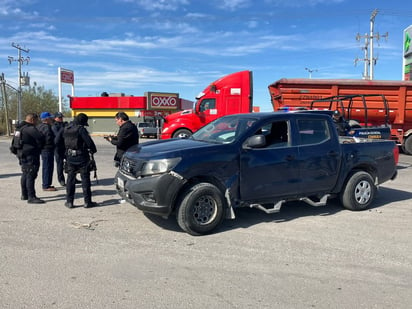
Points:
x=359, y=191
x=182, y=133
x=201, y=209
x=407, y=145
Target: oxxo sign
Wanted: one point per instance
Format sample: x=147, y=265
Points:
x=163, y=101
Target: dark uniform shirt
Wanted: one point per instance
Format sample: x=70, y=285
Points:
x=78, y=144
x=32, y=139
x=48, y=134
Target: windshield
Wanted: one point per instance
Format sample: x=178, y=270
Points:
x=224, y=130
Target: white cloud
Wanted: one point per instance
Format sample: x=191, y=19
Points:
x=153, y=5
x=11, y=8
x=233, y=5
x=301, y=3
x=171, y=25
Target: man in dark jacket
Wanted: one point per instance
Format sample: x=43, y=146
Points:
x=47, y=152
x=29, y=157
x=127, y=136
x=78, y=145
x=59, y=150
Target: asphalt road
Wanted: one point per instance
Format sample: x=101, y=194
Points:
x=113, y=256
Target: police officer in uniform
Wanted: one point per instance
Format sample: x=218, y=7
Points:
x=59, y=151
x=29, y=158
x=341, y=124
x=79, y=145
x=47, y=152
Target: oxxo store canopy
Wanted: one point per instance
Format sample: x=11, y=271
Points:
x=148, y=108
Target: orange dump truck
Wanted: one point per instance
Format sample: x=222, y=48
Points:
x=301, y=92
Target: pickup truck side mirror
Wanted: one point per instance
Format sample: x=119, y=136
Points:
x=256, y=141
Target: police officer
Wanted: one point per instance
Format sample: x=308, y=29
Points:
x=47, y=152
x=60, y=149
x=341, y=124
x=29, y=157
x=127, y=136
x=79, y=145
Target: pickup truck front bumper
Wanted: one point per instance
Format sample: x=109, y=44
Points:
x=152, y=194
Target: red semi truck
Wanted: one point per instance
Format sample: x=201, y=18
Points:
x=231, y=94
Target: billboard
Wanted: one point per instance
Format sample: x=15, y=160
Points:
x=66, y=76
x=407, y=54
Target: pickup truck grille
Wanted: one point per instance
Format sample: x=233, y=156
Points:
x=131, y=167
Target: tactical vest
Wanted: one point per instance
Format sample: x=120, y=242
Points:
x=17, y=141
x=72, y=139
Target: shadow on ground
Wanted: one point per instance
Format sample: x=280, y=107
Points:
x=246, y=217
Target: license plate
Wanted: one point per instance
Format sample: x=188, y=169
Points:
x=120, y=182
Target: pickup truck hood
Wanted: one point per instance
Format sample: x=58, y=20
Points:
x=170, y=148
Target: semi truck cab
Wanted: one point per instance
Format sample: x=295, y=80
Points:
x=230, y=94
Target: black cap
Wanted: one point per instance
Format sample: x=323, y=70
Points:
x=82, y=119
x=336, y=113
x=58, y=115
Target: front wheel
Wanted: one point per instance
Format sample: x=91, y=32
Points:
x=201, y=209
x=182, y=133
x=358, y=192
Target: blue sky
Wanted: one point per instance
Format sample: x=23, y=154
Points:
x=135, y=46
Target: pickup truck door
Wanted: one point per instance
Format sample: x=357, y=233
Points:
x=271, y=171
x=318, y=157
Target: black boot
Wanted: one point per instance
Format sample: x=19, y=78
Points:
x=90, y=204
x=35, y=200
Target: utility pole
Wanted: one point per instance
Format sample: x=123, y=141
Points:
x=6, y=107
x=310, y=71
x=369, y=59
x=22, y=79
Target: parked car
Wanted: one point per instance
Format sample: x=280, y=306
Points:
x=146, y=129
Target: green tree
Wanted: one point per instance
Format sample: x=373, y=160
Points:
x=35, y=99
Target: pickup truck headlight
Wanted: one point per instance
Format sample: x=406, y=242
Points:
x=161, y=166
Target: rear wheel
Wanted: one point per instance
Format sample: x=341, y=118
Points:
x=407, y=145
x=201, y=209
x=182, y=133
x=358, y=192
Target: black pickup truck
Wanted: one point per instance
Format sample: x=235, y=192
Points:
x=259, y=160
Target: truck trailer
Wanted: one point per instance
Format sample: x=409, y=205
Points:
x=299, y=93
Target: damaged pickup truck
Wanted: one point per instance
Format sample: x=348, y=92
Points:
x=259, y=160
